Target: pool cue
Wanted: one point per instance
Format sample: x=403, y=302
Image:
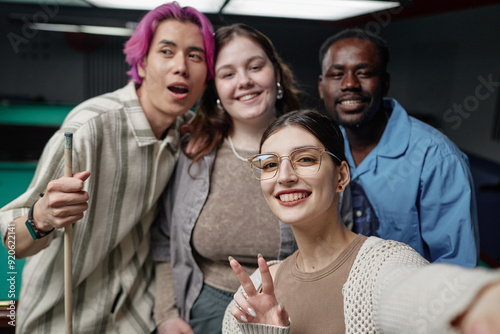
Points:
x=68, y=241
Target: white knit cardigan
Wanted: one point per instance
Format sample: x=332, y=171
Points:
x=391, y=289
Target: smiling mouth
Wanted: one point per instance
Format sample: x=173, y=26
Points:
x=350, y=102
x=248, y=97
x=292, y=197
x=178, y=89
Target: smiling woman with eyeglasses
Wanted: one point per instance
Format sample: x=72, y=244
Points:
x=338, y=281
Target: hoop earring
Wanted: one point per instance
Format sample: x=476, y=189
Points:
x=219, y=105
x=279, y=94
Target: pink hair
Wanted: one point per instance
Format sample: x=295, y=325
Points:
x=137, y=46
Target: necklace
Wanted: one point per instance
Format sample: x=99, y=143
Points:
x=234, y=150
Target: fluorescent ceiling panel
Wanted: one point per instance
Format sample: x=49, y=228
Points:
x=329, y=10
x=204, y=6
x=85, y=29
x=77, y=3
x=310, y=9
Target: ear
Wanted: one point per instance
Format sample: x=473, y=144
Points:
x=387, y=83
x=140, y=68
x=343, y=176
x=320, y=86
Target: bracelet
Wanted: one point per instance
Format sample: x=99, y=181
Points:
x=30, y=224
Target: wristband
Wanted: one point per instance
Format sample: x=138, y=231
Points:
x=30, y=224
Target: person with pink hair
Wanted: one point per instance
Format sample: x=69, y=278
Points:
x=125, y=146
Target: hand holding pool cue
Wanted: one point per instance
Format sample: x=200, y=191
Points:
x=68, y=241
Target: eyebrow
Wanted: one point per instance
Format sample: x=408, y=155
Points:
x=296, y=148
x=364, y=65
x=193, y=48
x=305, y=146
x=249, y=60
x=358, y=66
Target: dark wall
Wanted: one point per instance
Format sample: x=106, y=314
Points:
x=448, y=67
x=66, y=67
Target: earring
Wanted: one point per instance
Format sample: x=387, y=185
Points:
x=219, y=105
x=279, y=94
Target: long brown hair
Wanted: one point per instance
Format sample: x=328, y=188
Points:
x=214, y=124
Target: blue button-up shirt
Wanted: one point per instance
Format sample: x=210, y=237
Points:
x=420, y=187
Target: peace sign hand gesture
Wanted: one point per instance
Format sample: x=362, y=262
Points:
x=260, y=307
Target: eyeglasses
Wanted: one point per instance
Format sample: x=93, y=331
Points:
x=304, y=161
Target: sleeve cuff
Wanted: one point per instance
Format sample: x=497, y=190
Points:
x=263, y=329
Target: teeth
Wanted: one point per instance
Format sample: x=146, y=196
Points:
x=350, y=102
x=292, y=197
x=247, y=97
x=178, y=89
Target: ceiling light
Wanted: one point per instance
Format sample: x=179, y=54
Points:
x=203, y=6
x=84, y=29
x=330, y=10
x=312, y=9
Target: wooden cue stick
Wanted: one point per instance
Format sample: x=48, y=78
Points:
x=68, y=241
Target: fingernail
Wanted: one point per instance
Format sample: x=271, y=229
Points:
x=259, y=255
x=282, y=307
x=230, y=258
x=243, y=318
x=251, y=312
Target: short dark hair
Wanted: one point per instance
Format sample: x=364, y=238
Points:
x=319, y=125
x=379, y=42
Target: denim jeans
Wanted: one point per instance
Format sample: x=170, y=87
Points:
x=208, y=310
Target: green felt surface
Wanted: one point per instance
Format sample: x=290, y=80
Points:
x=34, y=114
x=15, y=178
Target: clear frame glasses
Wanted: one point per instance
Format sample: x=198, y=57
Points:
x=304, y=161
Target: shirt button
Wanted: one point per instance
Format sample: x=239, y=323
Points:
x=359, y=213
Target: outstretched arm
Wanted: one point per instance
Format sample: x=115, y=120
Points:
x=483, y=315
x=436, y=298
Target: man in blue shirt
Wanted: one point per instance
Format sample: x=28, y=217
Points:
x=410, y=183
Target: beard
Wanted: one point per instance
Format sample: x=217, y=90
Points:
x=364, y=119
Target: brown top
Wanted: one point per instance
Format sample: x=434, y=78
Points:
x=316, y=304
x=235, y=220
